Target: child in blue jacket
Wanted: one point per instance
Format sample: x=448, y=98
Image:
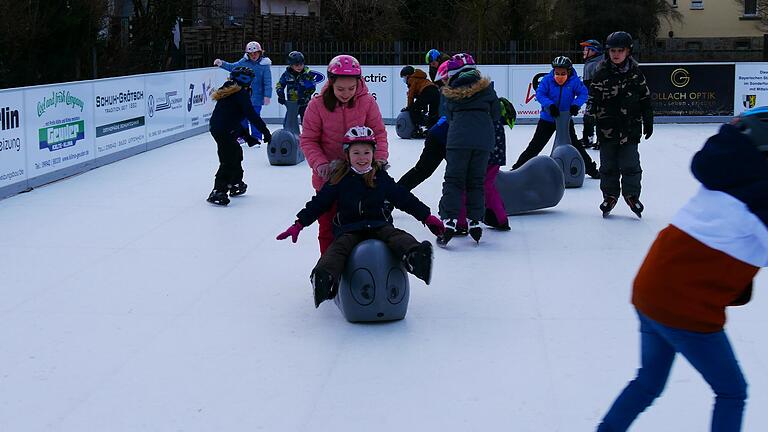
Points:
x=298, y=82
x=561, y=90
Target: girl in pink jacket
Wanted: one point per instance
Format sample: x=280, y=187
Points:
x=344, y=102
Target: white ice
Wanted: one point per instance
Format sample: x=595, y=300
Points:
x=128, y=303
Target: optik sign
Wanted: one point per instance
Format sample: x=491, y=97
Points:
x=200, y=97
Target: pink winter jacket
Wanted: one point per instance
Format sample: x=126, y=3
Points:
x=323, y=131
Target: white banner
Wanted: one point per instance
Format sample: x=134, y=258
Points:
x=751, y=86
x=59, y=126
x=380, y=81
x=164, y=97
x=13, y=148
x=120, y=111
x=199, y=85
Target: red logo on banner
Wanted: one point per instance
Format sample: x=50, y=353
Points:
x=531, y=95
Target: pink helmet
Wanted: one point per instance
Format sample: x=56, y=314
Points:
x=252, y=47
x=459, y=62
x=344, y=65
x=359, y=135
x=442, y=71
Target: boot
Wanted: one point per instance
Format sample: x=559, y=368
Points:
x=418, y=261
x=450, y=231
x=635, y=205
x=461, y=230
x=218, y=197
x=475, y=230
x=237, y=188
x=491, y=220
x=322, y=286
x=609, y=202
x=592, y=171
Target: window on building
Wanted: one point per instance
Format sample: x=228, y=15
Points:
x=697, y=4
x=750, y=7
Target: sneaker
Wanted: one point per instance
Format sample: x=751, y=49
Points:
x=218, y=197
x=450, y=231
x=237, y=188
x=635, y=205
x=609, y=202
x=418, y=261
x=491, y=220
x=475, y=230
x=322, y=286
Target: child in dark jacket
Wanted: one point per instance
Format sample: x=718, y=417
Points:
x=233, y=105
x=560, y=91
x=472, y=107
x=298, y=82
x=359, y=188
x=423, y=100
x=620, y=102
x=702, y=263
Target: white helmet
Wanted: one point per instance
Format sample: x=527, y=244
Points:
x=253, y=46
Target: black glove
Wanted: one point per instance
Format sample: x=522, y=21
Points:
x=574, y=110
x=554, y=111
x=281, y=100
x=267, y=137
x=251, y=140
x=648, y=130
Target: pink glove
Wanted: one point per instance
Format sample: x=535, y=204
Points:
x=324, y=170
x=292, y=231
x=435, y=225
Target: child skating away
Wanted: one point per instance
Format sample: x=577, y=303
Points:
x=702, y=263
x=592, y=51
x=233, y=105
x=559, y=91
x=297, y=83
x=359, y=187
x=472, y=107
x=620, y=102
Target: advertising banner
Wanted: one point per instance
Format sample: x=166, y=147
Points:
x=13, y=148
x=164, y=98
x=751, y=86
x=199, y=85
x=59, y=126
x=691, y=89
x=380, y=80
x=120, y=114
x=523, y=82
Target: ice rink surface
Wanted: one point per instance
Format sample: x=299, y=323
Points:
x=128, y=303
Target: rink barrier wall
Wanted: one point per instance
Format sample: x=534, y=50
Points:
x=53, y=131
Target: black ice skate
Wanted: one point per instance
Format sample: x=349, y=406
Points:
x=418, y=261
x=475, y=231
x=609, y=202
x=491, y=220
x=218, y=197
x=322, y=286
x=450, y=231
x=237, y=188
x=635, y=205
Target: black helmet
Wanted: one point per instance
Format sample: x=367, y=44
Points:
x=407, y=70
x=619, y=39
x=295, y=57
x=562, y=62
x=242, y=75
x=754, y=124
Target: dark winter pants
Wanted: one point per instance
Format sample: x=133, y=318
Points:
x=431, y=157
x=335, y=258
x=544, y=131
x=230, y=160
x=710, y=353
x=620, y=171
x=464, y=172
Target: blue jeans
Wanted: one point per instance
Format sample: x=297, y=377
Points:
x=253, y=130
x=710, y=353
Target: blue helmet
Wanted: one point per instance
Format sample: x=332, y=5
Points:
x=432, y=55
x=242, y=75
x=754, y=124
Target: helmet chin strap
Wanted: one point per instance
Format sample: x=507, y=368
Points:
x=362, y=172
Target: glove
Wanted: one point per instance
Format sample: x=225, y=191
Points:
x=281, y=100
x=251, y=140
x=435, y=225
x=292, y=231
x=323, y=170
x=574, y=110
x=554, y=111
x=384, y=165
x=648, y=130
x=267, y=137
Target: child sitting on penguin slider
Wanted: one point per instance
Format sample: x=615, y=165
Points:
x=233, y=105
x=359, y=187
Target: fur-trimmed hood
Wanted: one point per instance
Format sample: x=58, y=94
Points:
x=228, y=89
x=465, y=92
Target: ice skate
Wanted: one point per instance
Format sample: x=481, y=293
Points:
x=491, y=220
x=418, y=261
x=322, y=286
x=609, y=202
x=218, y=197
x=237, y=188
x=635, y=205
x=475, y=231
x=450, y=231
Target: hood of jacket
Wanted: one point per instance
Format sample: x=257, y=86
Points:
x=228, y=89
x=262, y=61
x=465, y=92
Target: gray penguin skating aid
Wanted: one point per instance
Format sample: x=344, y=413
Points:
x=404, y=126
x=536, y=185
x=566, y=155
x=284, y=148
